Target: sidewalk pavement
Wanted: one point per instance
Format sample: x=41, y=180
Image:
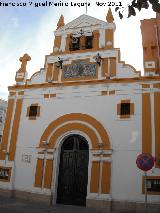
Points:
x=13, y=205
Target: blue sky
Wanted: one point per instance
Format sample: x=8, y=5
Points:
x=31, y=30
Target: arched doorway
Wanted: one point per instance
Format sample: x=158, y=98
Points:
x=73, y=171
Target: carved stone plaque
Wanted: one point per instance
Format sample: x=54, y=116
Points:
x=79, y=70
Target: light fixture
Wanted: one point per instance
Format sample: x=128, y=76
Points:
x=98, y=59
x=81, y=32
x=59, y=63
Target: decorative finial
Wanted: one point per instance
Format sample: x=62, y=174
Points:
x=109, y=16
x=21, y=74
x=60, y=22
x=24, y=60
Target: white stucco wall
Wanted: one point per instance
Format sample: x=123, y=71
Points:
x=125, y=134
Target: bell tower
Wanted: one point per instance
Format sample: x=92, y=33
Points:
x=150, y=29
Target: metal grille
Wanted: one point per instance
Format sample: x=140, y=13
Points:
x=125, y=108
x=33, y=111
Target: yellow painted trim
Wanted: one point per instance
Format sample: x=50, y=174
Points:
x=118, y=109
x=109, y=37
x=131, y=108
x=145, y=85
x=146, y=124
x=57, y=42
x=112, y=67
x=15, y=129
x=104, y=67
x=77, y=117
x=82, y=42
x=125, y=101
x=112, y=92
x=52, y=95
x=38, y=111
x=7, y=128
x=39, y=173
x=73, y=126
x=55, y=73
x=12, y=93
x=157, y=127
x=86, y=82
x=49, y=72
x=95, y=173
x=21, y=93
x=106, y=178
x=150, y=69
x=27, y=114
x=46, y=95
x=156, y=85
x=48, y=174
x=67, y=42
x=104, y=92
x=95, y=40
x=19, y=79
x=151, y=192
x=104, y=155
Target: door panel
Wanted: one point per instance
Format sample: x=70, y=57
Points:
x=73, y=171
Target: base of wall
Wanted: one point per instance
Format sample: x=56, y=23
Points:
x=29, y=196
x=100, y=205
x=121, y=206
x=6, y=193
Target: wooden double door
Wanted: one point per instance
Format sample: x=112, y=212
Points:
x=73, y=171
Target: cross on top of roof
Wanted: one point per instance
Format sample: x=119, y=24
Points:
x=24, y=60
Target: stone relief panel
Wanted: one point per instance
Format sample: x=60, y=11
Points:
x=79, y=70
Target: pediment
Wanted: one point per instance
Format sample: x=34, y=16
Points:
x=82, y=22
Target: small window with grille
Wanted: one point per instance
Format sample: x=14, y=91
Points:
x=125, y=109
x=33, y=111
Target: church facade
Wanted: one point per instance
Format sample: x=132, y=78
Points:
x=73, y=130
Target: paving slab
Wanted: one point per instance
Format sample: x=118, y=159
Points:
x=13, y=205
